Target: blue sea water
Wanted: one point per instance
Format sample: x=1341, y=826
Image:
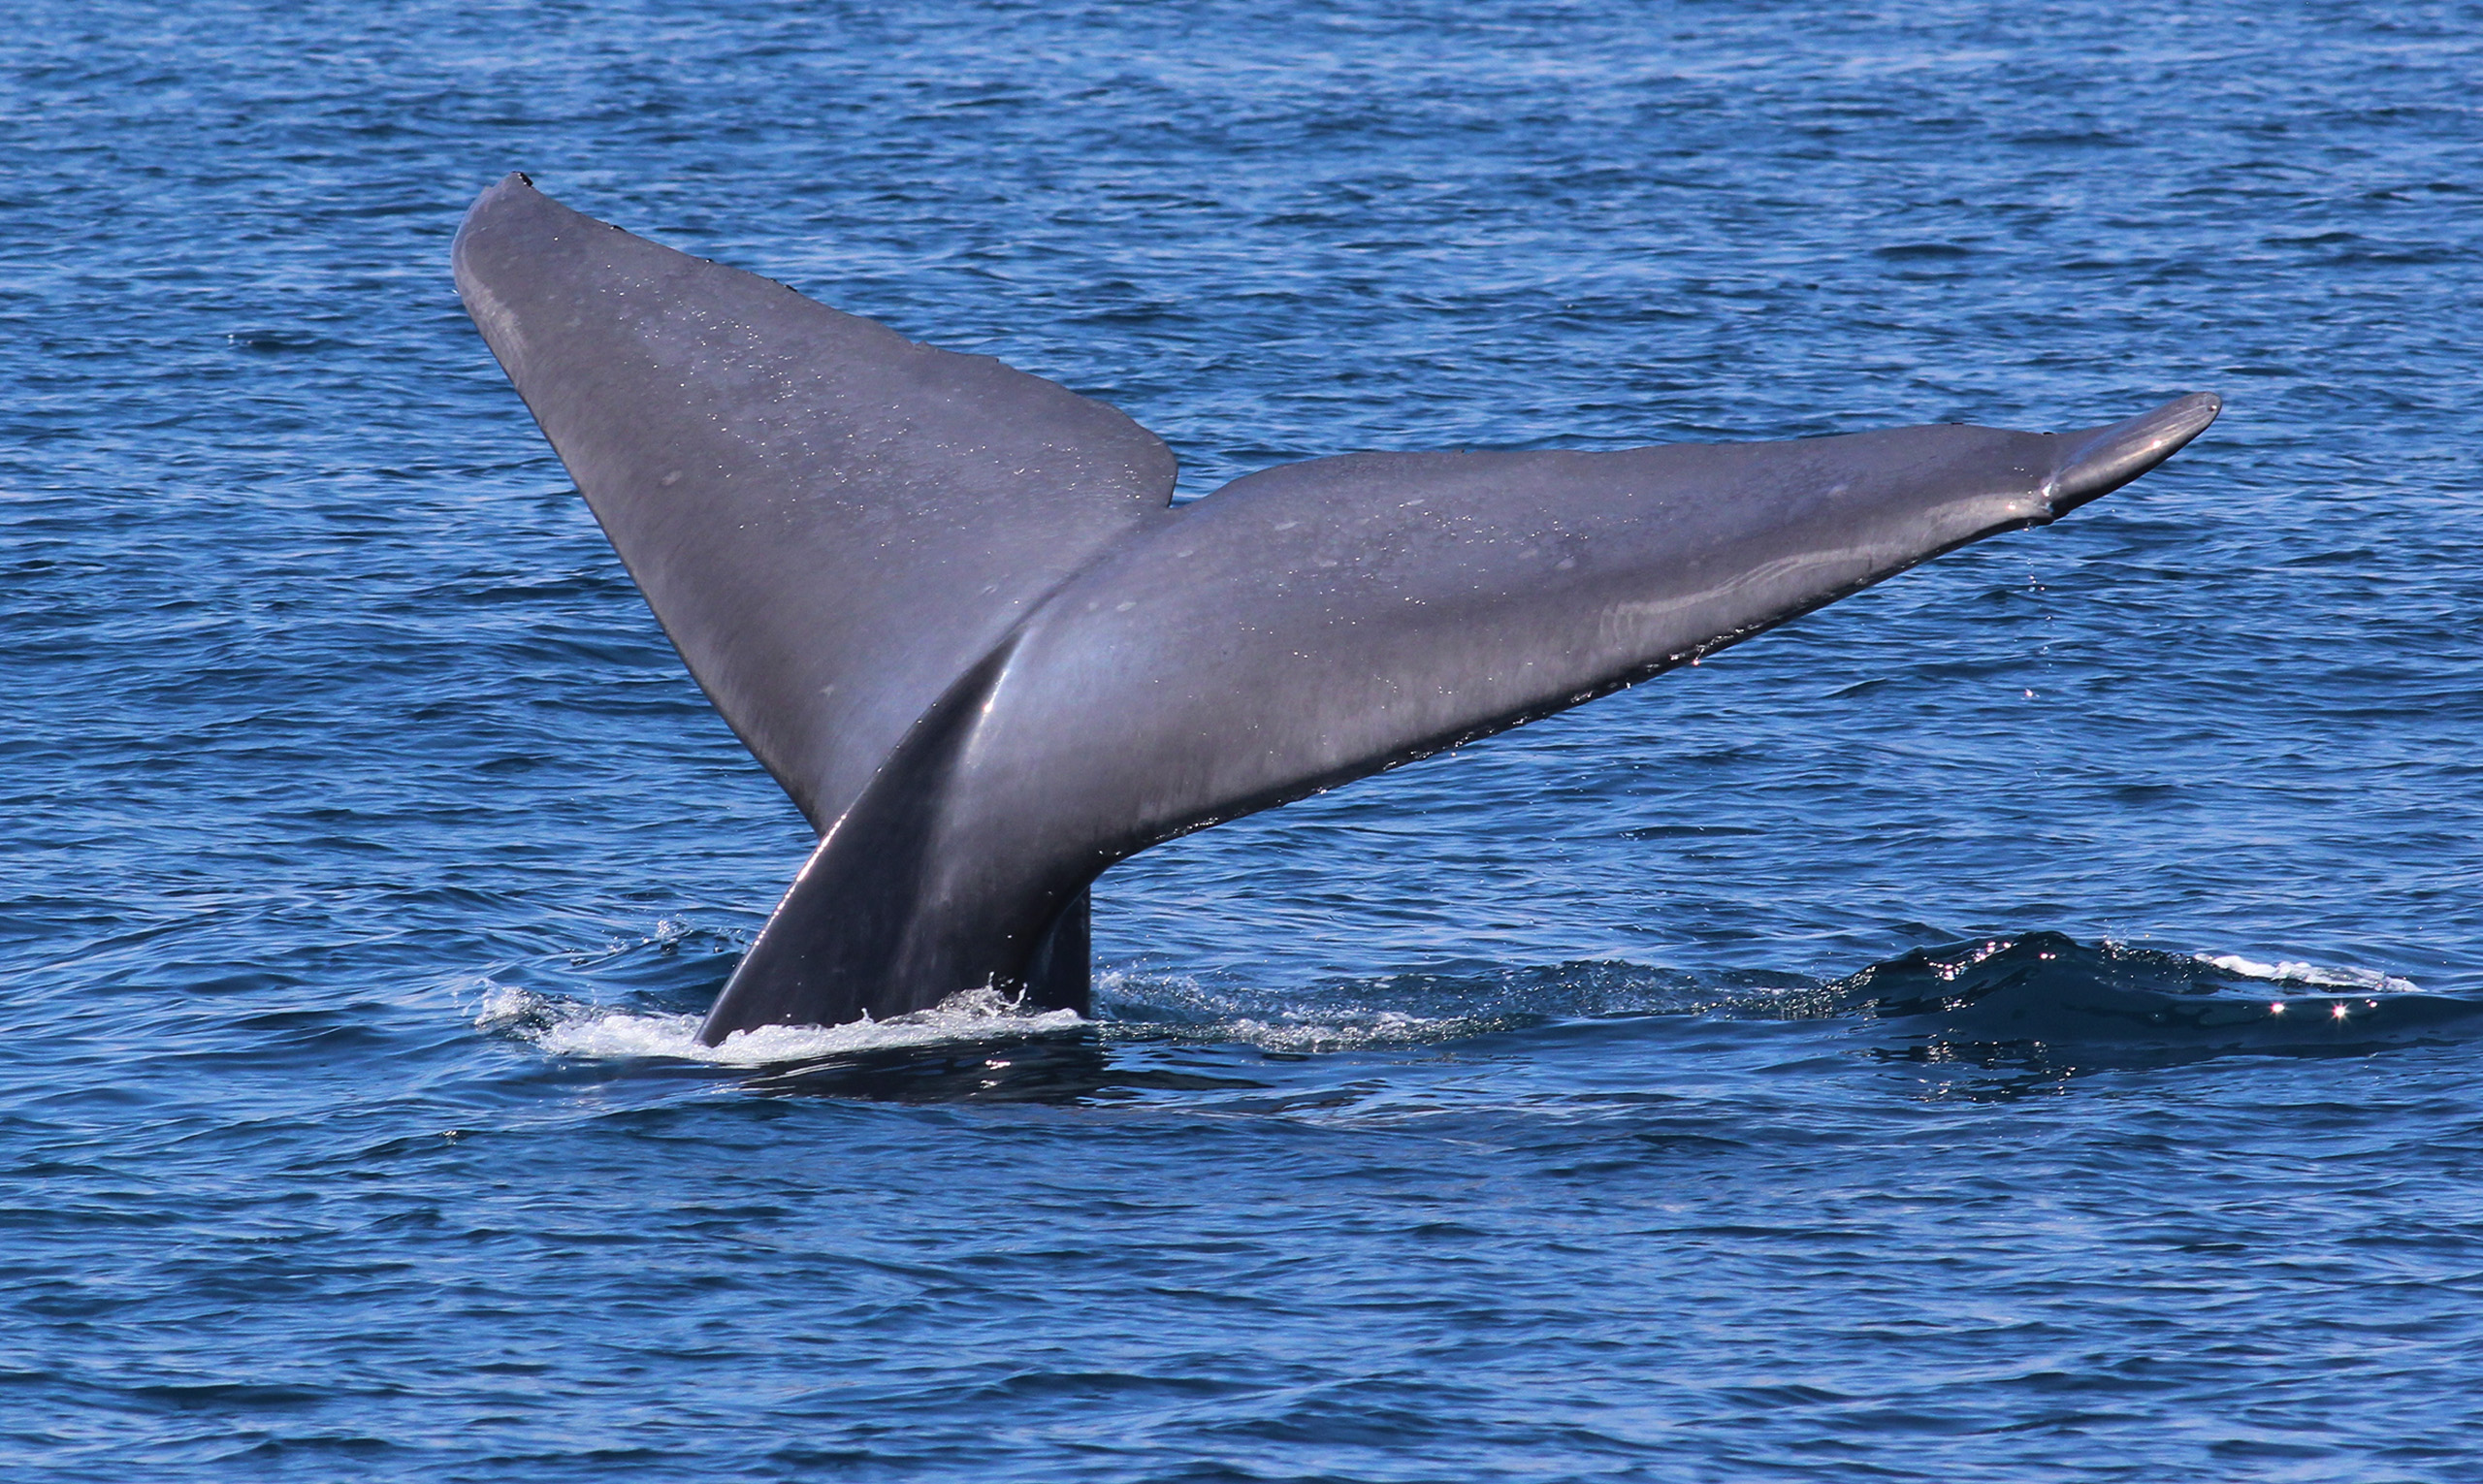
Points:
x=1856, y=1057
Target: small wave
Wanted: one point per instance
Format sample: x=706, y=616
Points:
x=2047, y=998
x=567, y=1027
x=2292, y=972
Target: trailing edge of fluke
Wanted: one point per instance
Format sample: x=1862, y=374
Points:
x=952, y=607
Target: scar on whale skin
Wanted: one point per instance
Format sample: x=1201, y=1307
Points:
x=951, y=608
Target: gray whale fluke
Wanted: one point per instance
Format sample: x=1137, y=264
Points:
x=952, y=610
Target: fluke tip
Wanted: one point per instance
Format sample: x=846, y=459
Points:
x=2098, y=461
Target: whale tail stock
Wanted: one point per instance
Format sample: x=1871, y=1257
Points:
x=950, y=607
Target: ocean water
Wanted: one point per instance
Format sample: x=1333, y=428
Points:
x=2018, y=1024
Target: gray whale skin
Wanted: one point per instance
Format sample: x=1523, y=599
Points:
x=952, y=607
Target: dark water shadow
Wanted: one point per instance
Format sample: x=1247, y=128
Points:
x=1062, y=1068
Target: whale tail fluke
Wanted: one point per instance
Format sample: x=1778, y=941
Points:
x=950, y=606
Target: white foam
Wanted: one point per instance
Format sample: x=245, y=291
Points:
x=1325, y=1024
x=568, y=1027
x=1386, y=1027
x=2293, y=972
